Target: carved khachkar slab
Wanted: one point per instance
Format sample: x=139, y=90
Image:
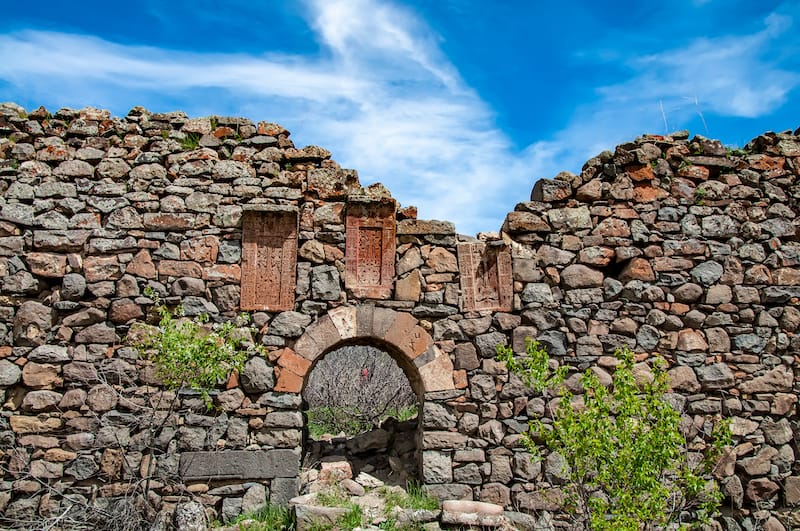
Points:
x=486, y=279
x=269, y=258
x=370, y=247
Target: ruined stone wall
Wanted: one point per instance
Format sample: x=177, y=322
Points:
x=674, y=247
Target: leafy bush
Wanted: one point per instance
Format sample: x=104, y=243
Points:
x=625, y=452
x=191, y=352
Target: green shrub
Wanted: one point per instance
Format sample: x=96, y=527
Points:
x=334, y=420
x=191, y=352
x=336, y=496
x=404, y=413
x=625, y=452
x=333, y=496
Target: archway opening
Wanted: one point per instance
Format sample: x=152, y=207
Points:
x=362, y=407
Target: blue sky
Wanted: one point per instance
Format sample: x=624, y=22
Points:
x=458, y=106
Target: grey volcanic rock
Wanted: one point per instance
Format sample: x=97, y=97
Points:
x=73, y=286
x=32, y=322
x=325, y=283
x=289, y=324
x=257, y=376
x=9, y=373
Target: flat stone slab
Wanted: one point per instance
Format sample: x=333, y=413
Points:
x=316, y=517
x=474, y=520
x=258, y=207
x=419, y=226
x=473, y=513
x=469, y=506
x=240, y=464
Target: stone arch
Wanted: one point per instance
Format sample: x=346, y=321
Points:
x=426, y=366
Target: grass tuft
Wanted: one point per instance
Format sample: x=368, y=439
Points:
x=415, y=498
x=335, y=496
x=191, y=141
x=352, y=519
x=267, y=518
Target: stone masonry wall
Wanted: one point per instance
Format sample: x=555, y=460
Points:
x=674, y=247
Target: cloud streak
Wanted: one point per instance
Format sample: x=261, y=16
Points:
x=737, y=75
x=384, y=98
x=731, y=75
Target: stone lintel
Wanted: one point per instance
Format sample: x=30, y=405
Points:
x=239, y=464
x=440, y=440
x=369, y=199
x=421, y=226
x=261, y=207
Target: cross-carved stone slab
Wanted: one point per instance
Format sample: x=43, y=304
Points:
x=269, y=257
x=486, y=279
x=370, y=247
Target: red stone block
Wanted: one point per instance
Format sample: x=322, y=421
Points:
x=225, y=273
x=640, y=172
x=288, y=382
x=647, y=194
x=47, y=264
x=613, y=228
x=202, y=249
x=698, y=173
x=291, y=361
x=177, y=268
x=99, y=268
x=166, y=221
x=142, y=265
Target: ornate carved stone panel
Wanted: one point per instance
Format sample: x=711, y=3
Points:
x=269, y=258
x=370, y=247
x=486, y=279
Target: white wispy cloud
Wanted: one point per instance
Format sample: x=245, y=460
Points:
x=386, y=100
x=382, y=97
x=730, y=75
x=736, y=75
x=38, y=56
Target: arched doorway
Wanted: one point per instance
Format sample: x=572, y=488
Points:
x=399, y=334
x=360, y=406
